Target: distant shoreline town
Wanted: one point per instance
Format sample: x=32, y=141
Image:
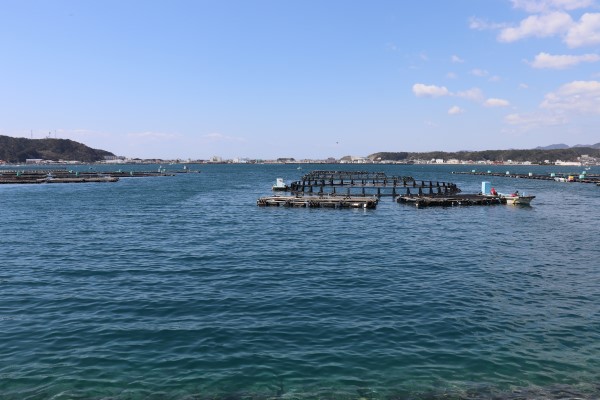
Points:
x=584, y=160
x=18, y=151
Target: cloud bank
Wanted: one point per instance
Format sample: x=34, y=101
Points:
x=545, y=60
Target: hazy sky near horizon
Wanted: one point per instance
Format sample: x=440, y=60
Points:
x=300, y=78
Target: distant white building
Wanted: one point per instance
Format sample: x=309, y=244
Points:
x=357, y=160
x=572, y=163
x=114, y=160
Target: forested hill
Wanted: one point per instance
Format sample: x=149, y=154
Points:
x=17, y=150
x=533, y=155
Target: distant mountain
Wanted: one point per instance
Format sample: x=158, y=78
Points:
x=562, y=146
x=591, y=146
x=17, y=150
x=533, y=155
x=559, y=146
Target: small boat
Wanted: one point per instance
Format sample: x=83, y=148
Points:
x=517, y=199
x=280, y=185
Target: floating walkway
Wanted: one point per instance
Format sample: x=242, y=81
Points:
x=559, y=177
x=329, y=201
x=359, y=183
x=452, y=201
x=65, y=176
x=60, y=180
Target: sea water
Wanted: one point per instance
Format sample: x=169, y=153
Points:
x=182, y=288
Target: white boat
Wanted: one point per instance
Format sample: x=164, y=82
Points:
x=517, y=199
x=280, y=185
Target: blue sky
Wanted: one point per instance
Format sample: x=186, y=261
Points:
x=300, y=78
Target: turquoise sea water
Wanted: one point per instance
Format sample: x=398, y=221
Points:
x=182, y=288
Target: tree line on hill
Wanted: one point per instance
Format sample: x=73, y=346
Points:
x=17, y=150
x=536, y=156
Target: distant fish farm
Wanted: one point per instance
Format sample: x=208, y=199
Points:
x=70, y=176
x=583, y=177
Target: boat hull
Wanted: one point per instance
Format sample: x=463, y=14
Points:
x=518, y=200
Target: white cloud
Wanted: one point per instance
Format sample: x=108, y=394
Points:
x=451, y=75
x=479, y=72
x=492, y=102
x=495, y=78
x=457, y=59
x=454, y=110
x=153, y=135
x=422, y=90
x=474, y=94
x=481, y=24
x=538, y=26
x=219, y=137
x=545, y=60
x=534, y=120
x=571, y=99
x=537, y=6
x=586, y=32
x=523, y=86
x=582, y=97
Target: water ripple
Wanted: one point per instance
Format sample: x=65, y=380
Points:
x=182, y=288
